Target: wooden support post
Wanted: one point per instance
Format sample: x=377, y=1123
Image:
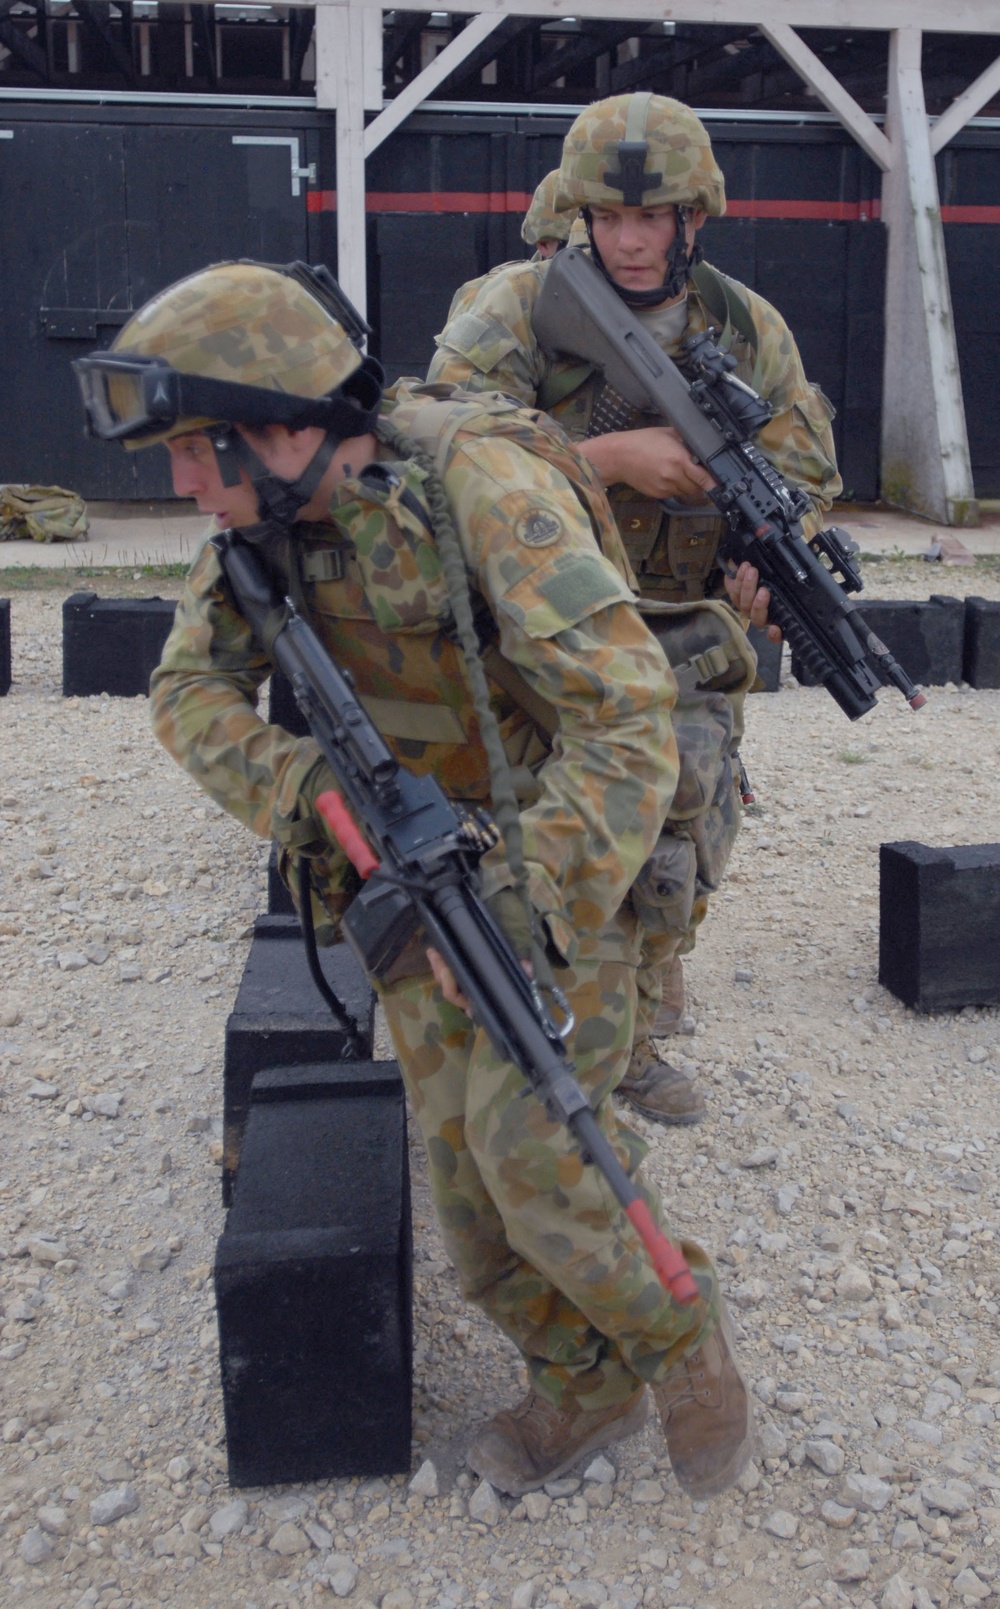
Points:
x=967, y=105
x=829, y=90
x=340, y=78
x=925, y=447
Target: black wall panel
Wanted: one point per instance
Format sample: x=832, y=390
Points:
x=105, y=205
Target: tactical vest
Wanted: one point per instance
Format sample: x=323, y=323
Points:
x=380, y=603
x=672, y=553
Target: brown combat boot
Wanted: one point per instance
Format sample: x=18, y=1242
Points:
x=705, y=1410
x=659, y=1090
x=668, y=1018
x=521, y=1448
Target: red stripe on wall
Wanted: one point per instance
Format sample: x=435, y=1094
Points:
x=825, y=211
x=970, y=214
x=517, y=201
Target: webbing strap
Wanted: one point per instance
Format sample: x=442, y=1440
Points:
x=724, y=302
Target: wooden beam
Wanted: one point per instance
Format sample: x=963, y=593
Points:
x=420, y=87
x=340, y=69
x=965, y=16
x=831, y=92
x=23, y=48
x=967, y=105
x=925, y=464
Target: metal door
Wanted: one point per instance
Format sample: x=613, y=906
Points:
x=98, y=219
x=65, y=287
x=204, y=195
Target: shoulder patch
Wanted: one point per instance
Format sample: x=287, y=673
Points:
x=539, y=529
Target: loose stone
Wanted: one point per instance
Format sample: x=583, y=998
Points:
x=781, y=1524
x=35, y=1546
x=826, y=1455
x=425, y=1481
x=484, y=1505
x=854, y=1564
x=113, y=1505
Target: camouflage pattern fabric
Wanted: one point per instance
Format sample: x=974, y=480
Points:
x=43, y=513
x=535, y=1235
x=245, y=323
x=548, y=217
x=678, y=165
x=490, y=346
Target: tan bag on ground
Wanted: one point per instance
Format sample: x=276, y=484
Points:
x=45, y=513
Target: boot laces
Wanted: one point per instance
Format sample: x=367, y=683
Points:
x=690, y=1391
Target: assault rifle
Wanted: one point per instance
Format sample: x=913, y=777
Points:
x=427, y=877
x=579, y=314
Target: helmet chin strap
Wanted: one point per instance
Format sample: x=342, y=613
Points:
x=680, y=261
x=279, y=501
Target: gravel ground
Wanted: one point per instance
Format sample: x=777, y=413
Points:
x=845, y=1180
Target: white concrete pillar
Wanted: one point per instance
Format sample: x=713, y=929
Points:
x=925, y=446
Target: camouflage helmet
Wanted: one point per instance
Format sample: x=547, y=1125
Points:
x=243, y=323
x=550, y=215
x=642, y=150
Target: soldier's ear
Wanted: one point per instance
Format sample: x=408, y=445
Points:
x=698, y=216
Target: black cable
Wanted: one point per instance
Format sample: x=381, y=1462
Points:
x=356, y=1045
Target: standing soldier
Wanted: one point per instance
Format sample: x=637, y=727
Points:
x=273, y=425
x=547, y=223
x=641, y=172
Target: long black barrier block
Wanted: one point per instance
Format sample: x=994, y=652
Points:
x=281, y=1018
x=925, y=636
x=981, y=652
x=939, y=924
x=4, y=646
x=113, y=645
x=313, y=1279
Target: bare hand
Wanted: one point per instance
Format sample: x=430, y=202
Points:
x=654, y=461
x=444, y=977
x=750, y=599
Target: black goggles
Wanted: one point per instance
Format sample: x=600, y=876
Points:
x=128, y=396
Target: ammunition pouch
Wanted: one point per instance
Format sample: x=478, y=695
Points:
x=715, y=666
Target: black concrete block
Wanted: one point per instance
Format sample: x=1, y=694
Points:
x=981, y=654
x=926, y=637
x=113, y=645
x=313, y=1279
x=939, y=924
x=768, y=661
x=4, y=646
x=281, y=1018
x=279, y=900
x=282, y=709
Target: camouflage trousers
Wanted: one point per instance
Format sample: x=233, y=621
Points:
x=714, y=665
x=538, y=1239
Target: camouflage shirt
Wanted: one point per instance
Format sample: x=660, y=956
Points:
x=489, y=345
x=373, y=587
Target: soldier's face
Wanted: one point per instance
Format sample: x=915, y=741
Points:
x=634, y=242
x=195, y=472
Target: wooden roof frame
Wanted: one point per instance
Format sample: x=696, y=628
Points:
x=925, y=453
